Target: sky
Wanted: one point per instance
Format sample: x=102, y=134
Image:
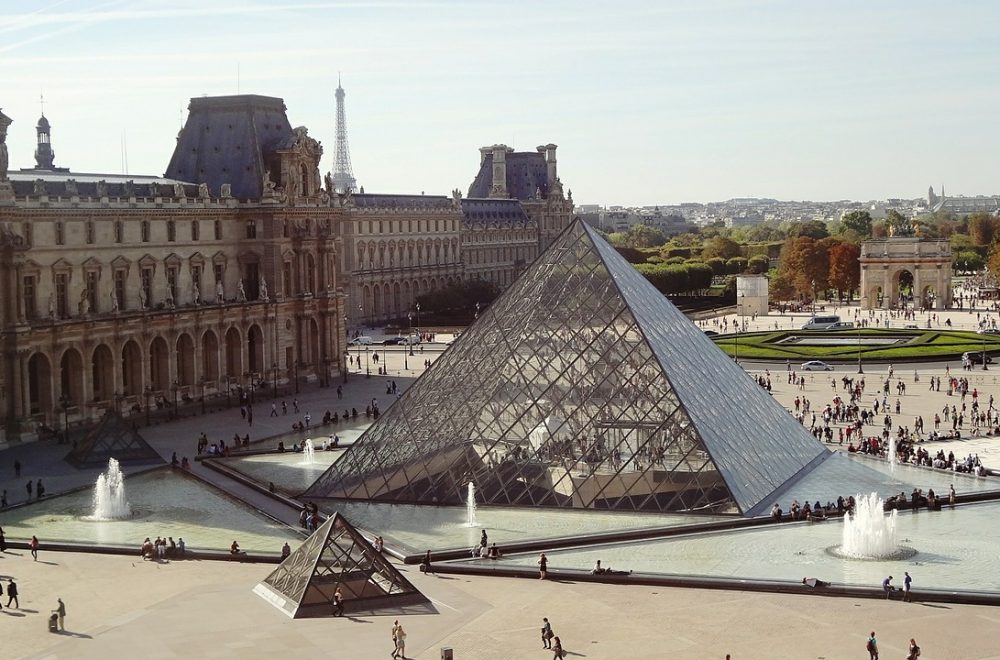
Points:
x=650, y=102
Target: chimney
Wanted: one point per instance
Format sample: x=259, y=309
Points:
x=499, y=187
x=550, y=161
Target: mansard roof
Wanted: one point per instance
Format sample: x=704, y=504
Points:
x=497, y=212
x=526, y=174
x=375, y=200
x=224, y=141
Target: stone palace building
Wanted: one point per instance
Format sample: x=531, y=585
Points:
x=240, y=267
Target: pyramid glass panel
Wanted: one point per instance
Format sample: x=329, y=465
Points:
x=336, y=556
x=580, y=387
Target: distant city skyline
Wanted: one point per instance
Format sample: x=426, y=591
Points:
x=650, y=103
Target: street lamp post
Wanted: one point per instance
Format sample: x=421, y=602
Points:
x=984, y=353
x=148, y=392
x=64, y=402
x=417, y=307
x=347, y=365
x=368, y=370
x=737, y=343
x=295, y=373
x=174, y=388
x=860, y=369
x=274, y=380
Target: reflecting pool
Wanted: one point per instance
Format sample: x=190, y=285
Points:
x=287, y=470
x=956, y=549
x=163, y=504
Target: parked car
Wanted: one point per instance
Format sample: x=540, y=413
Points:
x=361, y=341
x=977, y=357
x=816, y=365
x=711, y=333
x=392, y=341
x=988, y=331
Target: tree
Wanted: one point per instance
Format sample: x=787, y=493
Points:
x=982, y=228
x=860, y=222
x=460, y=297
x=804, y=265
x=633, y=255
x=736, y=265
x=718, y=266
x=845, y=270
x=811, y=228
x=758, y=265
x=993, y=264
x=721, y=247
x=641, y=236
x=780, y=288
x=968, y=261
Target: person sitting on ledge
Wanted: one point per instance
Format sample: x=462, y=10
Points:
x=184, y=464
x=281, y=446
x=494, y=552
x=235, y=551
x=425, y=565
x=775, y=512
x=146, y=551
x=814, y=582
x=598, y=569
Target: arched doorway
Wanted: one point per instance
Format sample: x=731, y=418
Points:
x=102, y=365
x=234, y=354
x=928, y=296
x=902, y=287
x=39, y=384
x=71, y=376
x=159, y=370
x=255, y=348
x=131, y=369
x=209, y=357
x=185, y=359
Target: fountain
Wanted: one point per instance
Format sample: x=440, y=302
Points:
x=869, y=533
x=109, y=494
x=470, y=506
x=892, y=453
x=308, y=452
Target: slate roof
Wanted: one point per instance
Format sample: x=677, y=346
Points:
x=375, y=200
x=58, y=184
x=493, y=212
x=526, y=173
x=225, y=139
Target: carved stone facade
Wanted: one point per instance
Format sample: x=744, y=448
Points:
x=124, y=292
x=396, y=248
x=883, y=262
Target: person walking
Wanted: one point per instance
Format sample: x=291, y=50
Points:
x=12, y=594
x=546, y=634
x=543, y=564
x=872, y=647
x=557, y=649
x=887, y=587
x=33, y=546
x=338, y=602
x=914, y=650
x=61, y=611
x=907, y=583
x=398, y=640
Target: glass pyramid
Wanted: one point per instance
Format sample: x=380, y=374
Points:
x=336, y=555
x=581, y=386
x=114, y=437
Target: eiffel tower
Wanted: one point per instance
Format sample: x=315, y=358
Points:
x=343, y=176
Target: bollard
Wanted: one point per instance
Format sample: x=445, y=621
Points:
x=446, y=653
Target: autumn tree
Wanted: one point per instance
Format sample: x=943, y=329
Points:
x=845, y=270
x=804, y=265
x=721, y=247
x=982, y=228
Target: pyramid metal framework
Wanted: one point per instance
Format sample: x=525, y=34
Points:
x=582, y=386
x=336, y=555
x=114, y=437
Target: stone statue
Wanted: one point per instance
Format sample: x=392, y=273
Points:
x=263, y=289
x=114, y=301
x=130, y=188
x=5, y=121
x=347, y=198
x=179, y=191
x=52, y=306
x=291, y=185
x=84, y=304
x=203, y=191
x=220, y=293
x=456, y=198
x=195, y=293
x=71, y=187
x=241, y=292
x=169, y=299
x=142, y=298
x=328, y=183
x=39, y=187
x=226, y=190
x=268, y=184
x=102, y=188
